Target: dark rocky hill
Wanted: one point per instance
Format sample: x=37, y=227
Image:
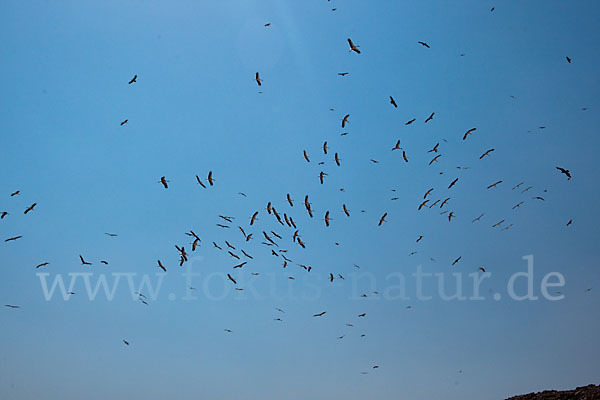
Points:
x=590, y=392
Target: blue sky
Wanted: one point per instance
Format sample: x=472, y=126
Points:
x=195, y=108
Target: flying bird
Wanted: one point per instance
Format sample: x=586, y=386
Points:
x=430, y=117
x=253, y=218
x=15, y=193
x=3, y=214
x=478, y=218
x=393, y=102
x=453, y=183
x=161, y=266
x=342, y=73
x=133, y=80
x=411, y=121
x=486, y=153
x=320, y=314
x=164, y=181
x=568, y=60
x=565, y=171
x=494, y=184
x=210, y=178
x=13, y=238
x=42, y=265
x=258, y=80
x=424, y=44
x=231, y=279
x=353, y=47
x=344, y=121
x=435, y=159
x=382, y=219
x=345, y=210
x=457, y=260
x=30, y=208
x=11, y=306
x=83, y=262
x=124, y=122
x=467, y=133
x=397, y=146
x=200, y=182
x=434, y=149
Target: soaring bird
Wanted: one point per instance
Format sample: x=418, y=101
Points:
x=200, y=182
x=486, y=153
x=494, y=184
x=253, y=218
x=345, y=120
x=411, y=121
x=342, y=73
x=382, y=219
x=42, y=265
x=3, y=214
x=268, y=24
x=83, y=262
x=322, y=176
x=111, y=234
x=444, y=202
x=424, y=44
x=345, y=210
x=15, y=193
x=326, y=219
x=124, y=122
x=430, y=117
x=428, y=193
x=517, y=205
x=325, y=147
x=434, y=149
x=434, y=159
x=231, y=279
x=467, y=133
x=133, y=80
x=404, y=156
x=457, y=260
x=30, y=208
x=478, y=218
x=450, y=216
x=306, y=156
x=11, y=306
x=125, y=341
x=565, y=171
x=568, y=60
x=161, y=266
x=419, y=239
x=362, y=315
x=453, y=183
x=324, y=312
x=257, y=79
x=570, y=222
x=353, y=47
x=423, y=204
x=210, y=178
x=11, y=239
x=397, y=146
x=164, y=181
x=393, y=102
x=337, y=159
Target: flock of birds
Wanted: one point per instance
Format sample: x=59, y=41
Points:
x=275, y=241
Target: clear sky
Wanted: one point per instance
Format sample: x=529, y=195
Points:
x=195, y=108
